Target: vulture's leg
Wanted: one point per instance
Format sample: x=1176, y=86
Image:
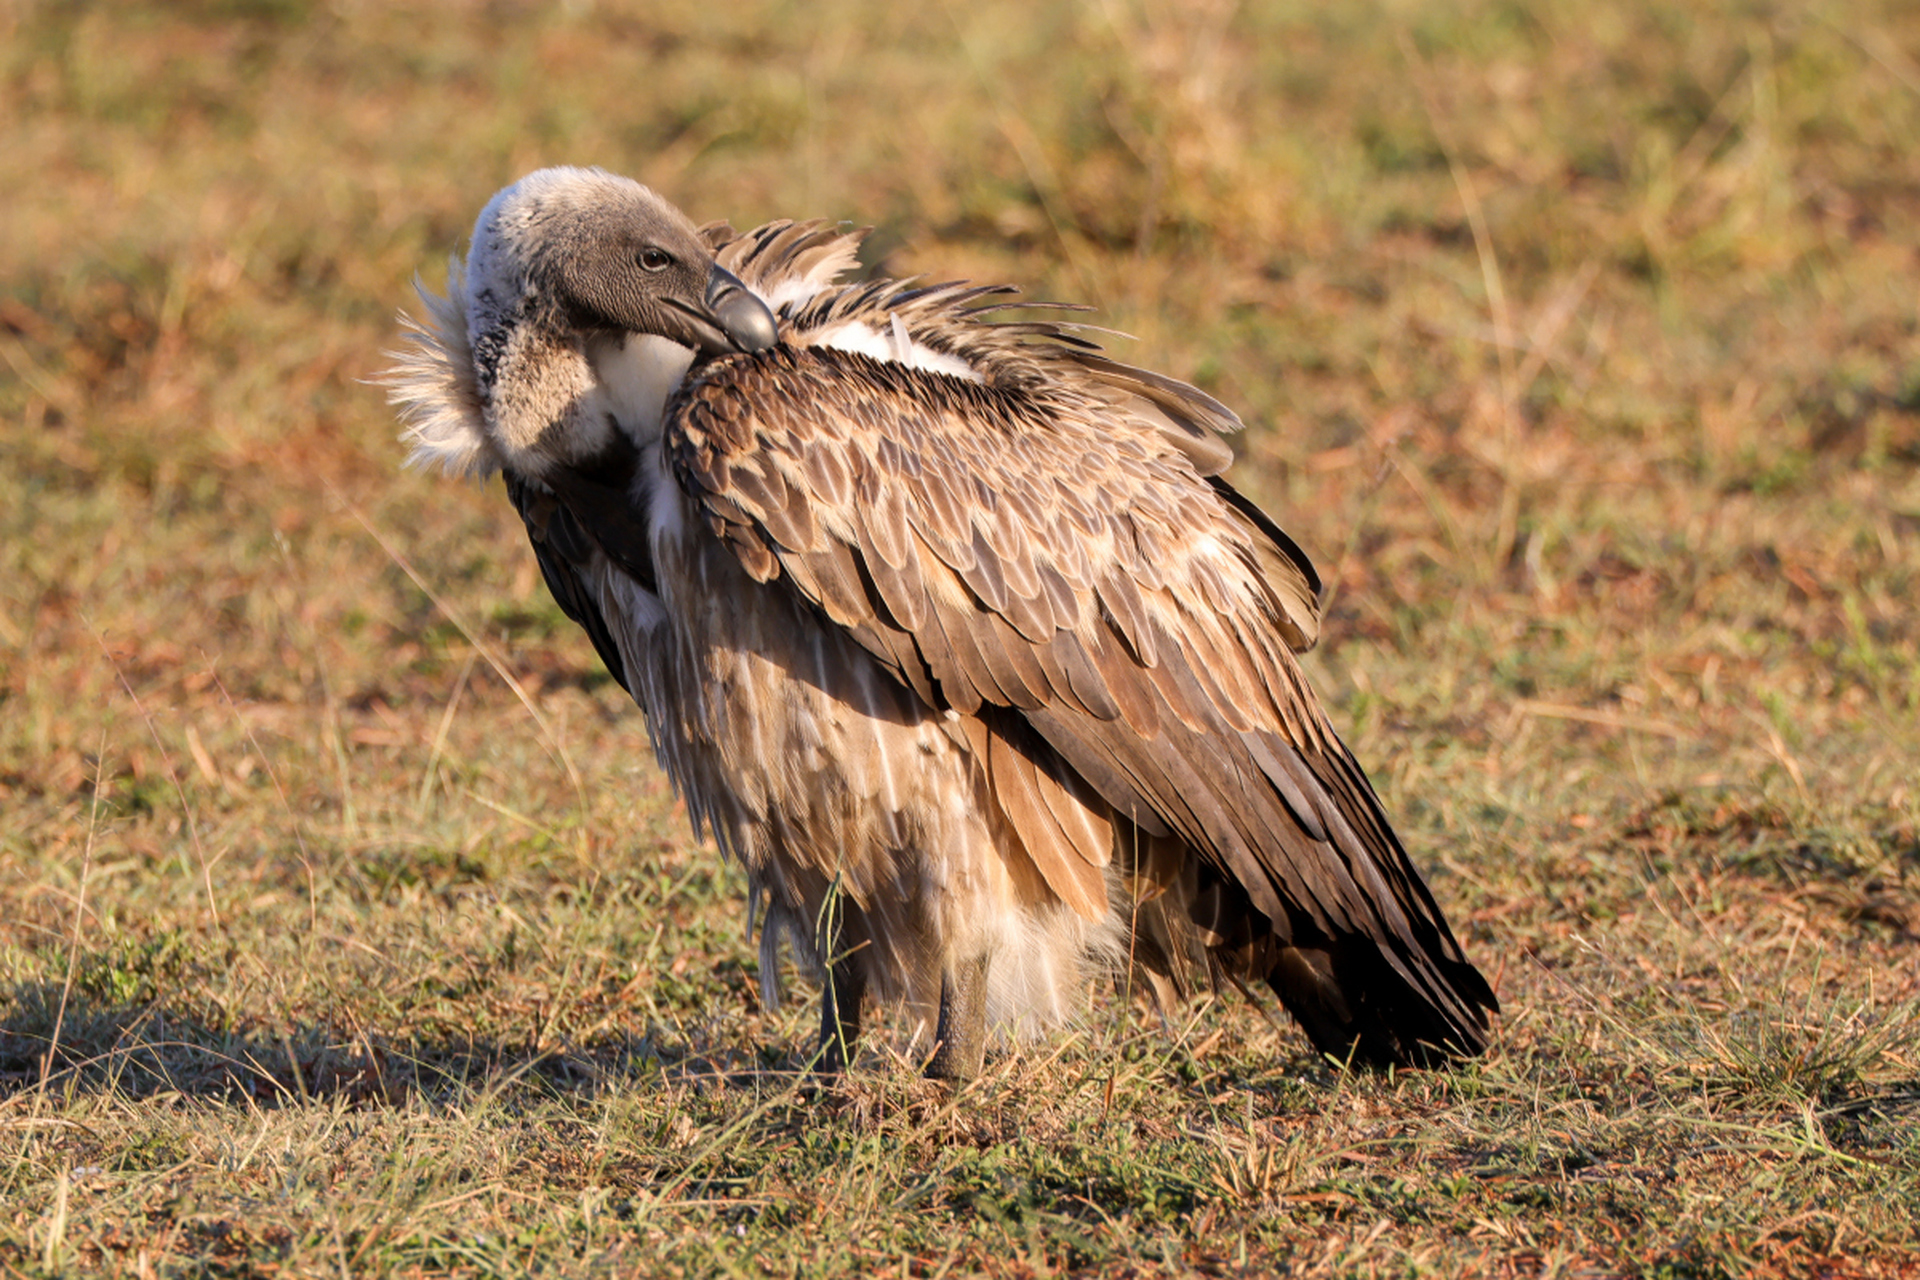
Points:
x=962, y=1043
x=846, y=985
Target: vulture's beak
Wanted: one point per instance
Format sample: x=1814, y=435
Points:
x=731, y=319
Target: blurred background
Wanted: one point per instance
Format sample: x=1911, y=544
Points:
x=1576, y=341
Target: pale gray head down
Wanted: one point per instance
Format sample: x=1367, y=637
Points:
x=578, y=250
x=566, y=258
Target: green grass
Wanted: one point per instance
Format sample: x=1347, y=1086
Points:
x=1580, y=350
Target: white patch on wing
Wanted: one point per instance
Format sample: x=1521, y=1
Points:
x=791, y=292
x=1205, y=546
x=896, y=347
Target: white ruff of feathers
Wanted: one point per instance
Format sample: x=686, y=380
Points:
x=432, y=385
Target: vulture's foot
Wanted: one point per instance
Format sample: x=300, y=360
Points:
x=962, y=1046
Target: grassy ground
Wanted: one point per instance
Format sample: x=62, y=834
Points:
x=1579, y=340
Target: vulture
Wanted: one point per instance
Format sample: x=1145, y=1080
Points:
x=946, y=624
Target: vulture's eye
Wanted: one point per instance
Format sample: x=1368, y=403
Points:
x=652, y=259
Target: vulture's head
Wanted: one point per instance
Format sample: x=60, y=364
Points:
x=585, y=297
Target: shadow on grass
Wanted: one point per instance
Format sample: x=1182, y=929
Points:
x=140, y=1049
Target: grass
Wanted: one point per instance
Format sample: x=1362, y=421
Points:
x=1580, y=349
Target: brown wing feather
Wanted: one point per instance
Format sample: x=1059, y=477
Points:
x=1065, y=841
x=1151, y=649
x=814, y=252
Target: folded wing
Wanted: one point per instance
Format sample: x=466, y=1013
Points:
x=1057, y=564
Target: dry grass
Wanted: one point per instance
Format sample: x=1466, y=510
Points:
x=1580, y=343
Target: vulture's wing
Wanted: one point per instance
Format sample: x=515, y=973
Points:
x=1036, y=553
x=566, y=549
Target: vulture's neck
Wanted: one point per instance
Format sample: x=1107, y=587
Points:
x=557, y=400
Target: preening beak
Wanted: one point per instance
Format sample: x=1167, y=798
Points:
x=733, y=319
x=746, y=320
